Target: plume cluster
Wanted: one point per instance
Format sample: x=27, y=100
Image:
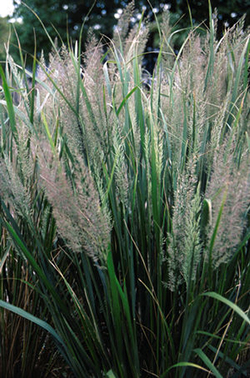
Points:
x=229, y=192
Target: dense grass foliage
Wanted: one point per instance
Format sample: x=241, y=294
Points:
x=125, y=209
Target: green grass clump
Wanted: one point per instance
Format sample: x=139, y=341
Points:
x=125, y=209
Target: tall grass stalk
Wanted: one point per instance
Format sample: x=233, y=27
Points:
x=125, y=209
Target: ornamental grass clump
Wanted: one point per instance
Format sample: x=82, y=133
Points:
x=125, y=208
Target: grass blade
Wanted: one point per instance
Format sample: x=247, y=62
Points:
x=232, y=305
x=207, y=362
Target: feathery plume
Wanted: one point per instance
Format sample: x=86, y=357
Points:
x=230, y=185
x=184, y=250
x=77, y=211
